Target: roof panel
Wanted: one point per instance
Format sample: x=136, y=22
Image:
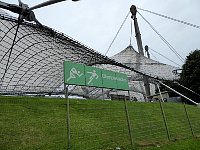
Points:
x=35, y=63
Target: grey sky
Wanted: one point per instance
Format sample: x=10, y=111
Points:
x=95, y=23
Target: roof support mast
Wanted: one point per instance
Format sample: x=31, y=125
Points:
x=133, y=11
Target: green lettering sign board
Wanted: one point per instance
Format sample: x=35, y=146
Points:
x=79, y=74
x=109, y=79
x=93, y=76
x=74, y=73
x=122, y=81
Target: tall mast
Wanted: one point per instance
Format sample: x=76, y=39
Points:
x=133, y=11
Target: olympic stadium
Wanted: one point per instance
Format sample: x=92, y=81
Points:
x=32, y=56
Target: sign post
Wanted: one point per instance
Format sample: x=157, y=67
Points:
x=82, y=75
x=129, y=95
x=103, y=94
x=128, y=120
x=68, y=116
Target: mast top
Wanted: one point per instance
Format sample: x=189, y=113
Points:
x=133, y=10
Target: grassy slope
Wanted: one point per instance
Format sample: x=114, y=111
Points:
x=32, y=123
x=40, y=123
x=188, y=144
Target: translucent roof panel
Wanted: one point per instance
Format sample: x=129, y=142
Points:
x=133, y=59
x=35, y=62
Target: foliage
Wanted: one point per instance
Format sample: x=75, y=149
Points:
x=190, y=76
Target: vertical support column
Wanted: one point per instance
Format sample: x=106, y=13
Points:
x=68, y=115
x=128, y=120
x=163, y=114
x=133, y=11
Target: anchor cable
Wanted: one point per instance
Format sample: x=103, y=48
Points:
x=163, y=39
x=117, y=33
x=170, y=18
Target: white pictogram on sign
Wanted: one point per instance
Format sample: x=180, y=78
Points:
x=73, y=74
x=93, y=76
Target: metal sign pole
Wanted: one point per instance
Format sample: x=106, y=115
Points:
x=68, y=114
x=188, y=118
x=160, y=94
x=103, y=94
x=163, y=114
x=128, y=120
x=129, y=95
x=117, y=98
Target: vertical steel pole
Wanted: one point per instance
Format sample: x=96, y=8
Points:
x=103, y=94
x=163, y=114
x=129, y=95
x=117, y=95
x=133, y=11
x=160, y=93
x=188, y=118
x=68, y=115
x=128, y=120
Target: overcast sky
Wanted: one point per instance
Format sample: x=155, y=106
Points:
x=96, y=22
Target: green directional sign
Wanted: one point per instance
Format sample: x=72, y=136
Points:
x=122, y=81
x=109, y=79
x=93, y=76
x=74, y=73
x=79, y=74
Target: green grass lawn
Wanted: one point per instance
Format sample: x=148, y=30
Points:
x=188, y=144
x=40, y=123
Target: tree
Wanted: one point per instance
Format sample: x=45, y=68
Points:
x=190, y=76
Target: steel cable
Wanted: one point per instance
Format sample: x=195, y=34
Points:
x=164, y=40
x=164, y=16
x=117, y=33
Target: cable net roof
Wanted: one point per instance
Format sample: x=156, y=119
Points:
x=130, y=57
x=36, y=61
